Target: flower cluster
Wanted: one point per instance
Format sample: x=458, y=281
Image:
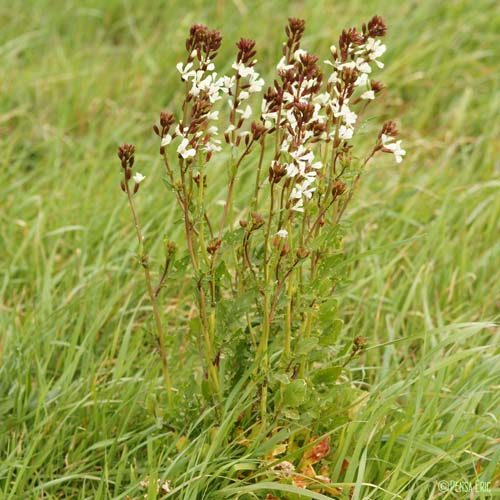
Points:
x=306, y=167
x=126, y=154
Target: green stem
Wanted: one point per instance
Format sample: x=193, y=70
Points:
x=154, y=302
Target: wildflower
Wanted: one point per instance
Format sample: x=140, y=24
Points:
x=212, y=146
x=302, y=190
x=167, y=139
x=184, y=151
x=138, y=177
x=247, y=113
x=185, y=71
x=299, y=53
x=369, y=94
x=375, y=49
x=256, y=83
x=243, y=70
x=282, y=66
x=282, y=233
x=393, y=147
x=346, y=133
x=361, y=80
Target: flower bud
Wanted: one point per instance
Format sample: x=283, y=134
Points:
x=213, y=246
x=359, y=343
x=170, y=248
x=257, y=221
x=338, y=188
x=302, y=253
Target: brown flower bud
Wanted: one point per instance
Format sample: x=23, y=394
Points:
x=126, y=155
x=359, y=343
x=257, y=221
x=389, y=128
x=213, y=246
x=246, y=51
x=377, y=86
x=170, y=248
x=243, y=223
x=376, y=27
x=166, y=119
x=302, y=253
x=338, y=188
x=258, y=130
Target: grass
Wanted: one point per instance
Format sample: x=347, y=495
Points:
x=81, y=406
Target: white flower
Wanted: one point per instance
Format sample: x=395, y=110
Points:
x=291, y=169
x=245, y=114
x=229, y=129
x=256, y=83
x=369, y=94
x=282, y=233
x=299, y=205
x=375, y=49
x=184, y=151
x=350, y=117
x=302, y=190
x=138, y=177
x=213, y=130
x=299, y=53
x=288, y=97
x=243, y=70
x=212, y=146
x=228, y=82
x=363, y=66
x=393, y=147
x=213, y=115
x=346, y=133
x=243, y=95
x=282, y=66
x=323, y=98
x=361, y=80
x=185, y=71
x=167, y=139
x=334, y=78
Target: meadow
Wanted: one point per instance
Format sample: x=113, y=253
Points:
x=82, y=414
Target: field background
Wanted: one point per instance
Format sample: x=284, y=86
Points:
x=79, y=381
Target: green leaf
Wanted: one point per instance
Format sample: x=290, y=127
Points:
x=327, y=375
x=294, y=393
x=331, y=332
x=306, y=346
